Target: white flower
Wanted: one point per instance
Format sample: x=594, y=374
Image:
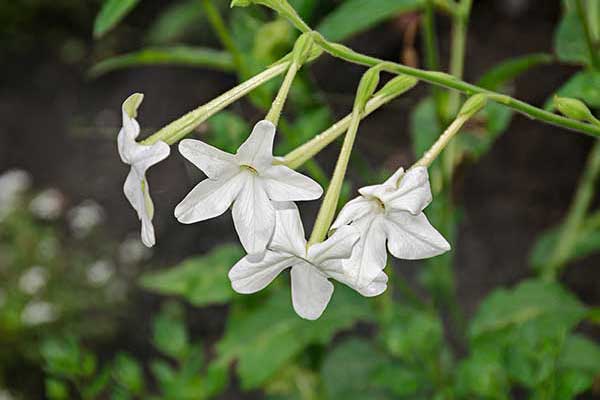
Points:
x=247, y=179
x=33, y=280
x=140, y=157
x=100, y=272
x=47, y=205
x=85, y=217
x=12, y=184
x=39, y=312
x=392, y=212
x=311, y=267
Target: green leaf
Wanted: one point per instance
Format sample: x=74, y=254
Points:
x=170, y=335
x=482, y=374
x=424, y=126
x=510, y=69
x=354, y=16
x=530, y=301
x=400, y=380
x=127, y=371
x=56, y=390
x=175, y=21
x=584, y=86
x=580, y=353
x=63, y=357
x=111, y=13
x=266, y=338
x=569, y=40
x=349, y=370
x=183, y=56
x=200, y=280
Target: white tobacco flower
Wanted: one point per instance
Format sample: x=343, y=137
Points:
x=12, y=184
x=47, y=205
x=100, y=272
x=140, y=157
x=38, y=312
x=392, y=212
x=33, y=280
x=248, y=180
x=311, y=267
x=85, y=217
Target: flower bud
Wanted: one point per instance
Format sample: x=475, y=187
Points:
x=398, y=85
x=473, y=105
x=303, y=49
x=366, y=87
x=573, y=108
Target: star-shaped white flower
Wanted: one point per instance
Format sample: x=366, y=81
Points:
x=311, y=266
x=140, y=158
x=391, y=212
x=247, y=179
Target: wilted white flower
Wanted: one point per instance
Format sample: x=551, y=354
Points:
x=140, y=158
x=248, y=180
x=12, y=184
x=392, y=212
x=47, y=205
x=38, y=312
x=34, y=279
x=311, y=266
x=132, y=251
x=100, y=272
x=85, y=217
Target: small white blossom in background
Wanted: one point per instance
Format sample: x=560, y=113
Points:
x=248, y=180
x=311, y=267
x=100, y=272
x=140, y=158
x=391, y=212
x=5, y=395
x=47, y=205
x=13, y=183
x=38, y=312
x=85, y=217
x=132, y=251
x=33, y=280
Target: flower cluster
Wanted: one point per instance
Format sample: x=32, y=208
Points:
x=261, y=194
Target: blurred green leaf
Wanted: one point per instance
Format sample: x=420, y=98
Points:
x=56, y=389
x=400, y=380
x=581, y=354
x=227, y=131
x=354, y=16
x=266, y=338
x=175, y=21
x=424, y=126
x=479, y=135
x=584, y=86
x=569, y=40
x=170, y=335
x=272, y=41
x=111, y=13
x=179, y=56
x=201, y=280
x=510, y=69
x=482, y=374
x=570, y=384
x=127, y=371
x=65, y=358
x=531, y=300
x=348, y=372
x=98, y=384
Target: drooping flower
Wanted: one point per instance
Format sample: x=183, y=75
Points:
x=391, y=212
x=140, y=157
x=248, y=180
x=311, y=267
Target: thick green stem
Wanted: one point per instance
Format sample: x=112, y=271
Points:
x=330, y=202
x=179, y=128
x=576, y=215
x=587, y=33
x=277, y=105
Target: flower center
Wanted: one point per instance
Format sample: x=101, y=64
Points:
x=379, y=203
x=249, y=168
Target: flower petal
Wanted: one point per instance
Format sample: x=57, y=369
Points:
x=375, y=288
x=411, y=237
x=253, y=215
x=353, y=210
x=251, y=274
x=210, y=198
x=285, y=184
x=337, y=246
x=289, y=232
x=311, y=291
x=413, y=193
x=142, y=157
x=210, y=160
x=138, y=194
x=129, y=114
x=257, y=150
x=369, y=256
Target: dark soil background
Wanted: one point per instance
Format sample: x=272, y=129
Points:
x=62, y=127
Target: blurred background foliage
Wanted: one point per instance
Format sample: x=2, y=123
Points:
x=84, y=315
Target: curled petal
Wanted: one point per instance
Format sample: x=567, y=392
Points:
x=251, y=274
x=257, y=150
x=413, y=193
x=311, y=291
x=353, y=211
x=129, y=113
x=210, y=160
x=209, y=199
x=289, y=232
x=143, y=157
x=138, y=193
x=338, y=246
x=375, y=288
x=370, y=255
x=285, y=184
x=253, y=215
x=411, y=237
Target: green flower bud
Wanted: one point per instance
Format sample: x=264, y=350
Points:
x=473, y=105
x=303, y=49
x=366, y=87
x=398, y=85
x=573, y=108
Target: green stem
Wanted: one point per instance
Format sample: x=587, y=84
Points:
x=277, y=105
x=218, y=24
x=431, y=154
x=432, y=61
x=587, y=33
x=458, y=48
x=576, y=215
x=330, y=202
x=179, y=128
